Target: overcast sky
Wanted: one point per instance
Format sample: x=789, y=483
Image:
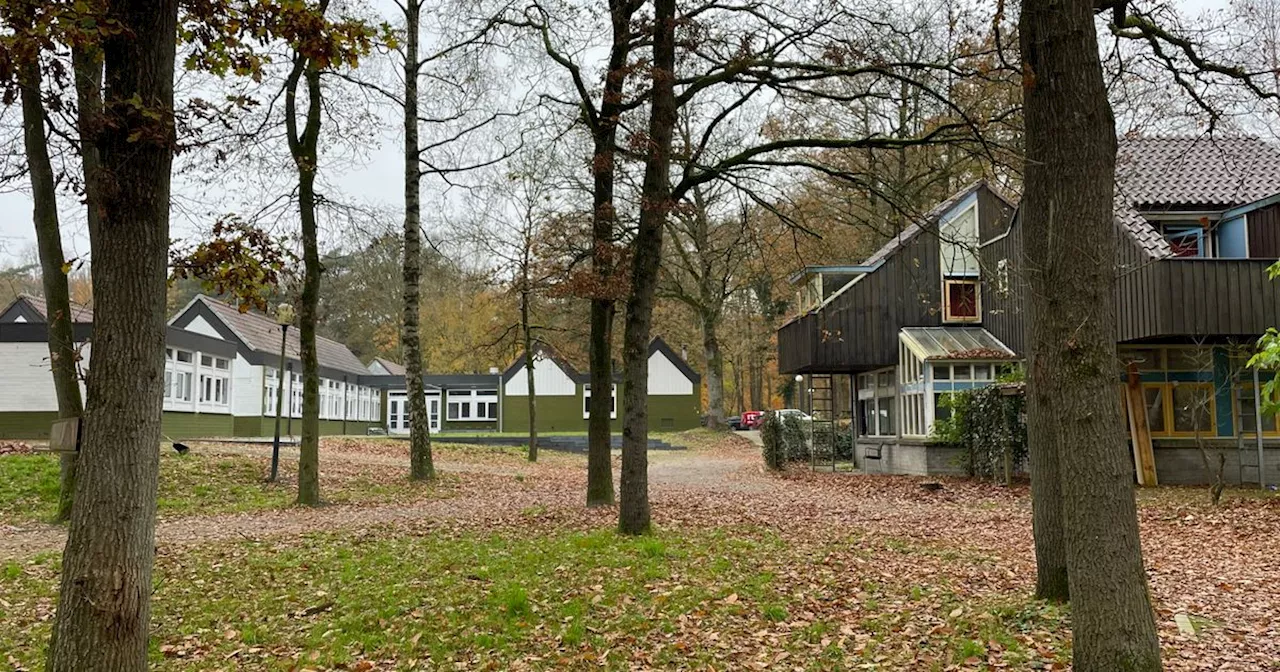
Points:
x=376, y=180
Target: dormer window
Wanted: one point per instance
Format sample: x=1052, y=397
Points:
x=1186, y=241
x=960, y=301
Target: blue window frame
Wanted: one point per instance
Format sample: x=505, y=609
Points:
x=1186, y=241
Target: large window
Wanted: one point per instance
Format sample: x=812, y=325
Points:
x=586, y=402
x=911, y=378
x=1180, y=409
x=472, y=405
x=272, y=384
x=877, y=401
x=179, y=370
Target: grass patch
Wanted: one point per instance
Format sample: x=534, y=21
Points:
x=531, y=599
x=202, y=483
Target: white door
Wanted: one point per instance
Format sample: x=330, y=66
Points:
x=433, y=412
x=398, y=413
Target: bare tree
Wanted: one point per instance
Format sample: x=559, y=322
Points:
x=63, y=352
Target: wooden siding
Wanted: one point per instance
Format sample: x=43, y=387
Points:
x=858, y=330
x=1004, y=308
x=1264, y=232
x=1175, y=298
x=993, y=215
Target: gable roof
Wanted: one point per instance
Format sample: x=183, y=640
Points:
x=1196, y=172
x=659, y=345
x=392, y=368
x=930, y=218
x=548, y=353
x=34, y=309
x=1140, y=231
x=261, y=334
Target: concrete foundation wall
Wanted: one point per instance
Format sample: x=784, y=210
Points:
x=898, y=456
x=1180, y=463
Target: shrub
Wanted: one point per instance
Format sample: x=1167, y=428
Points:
x=771, y=437
x=988, y=424
x=795, y=438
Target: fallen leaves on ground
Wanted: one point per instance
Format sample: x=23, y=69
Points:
x=747, y=570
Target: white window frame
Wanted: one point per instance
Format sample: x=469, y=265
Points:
x=586, y=402
x=880, y=397
x=947, y=316
x=471, y=405
x=176, y=371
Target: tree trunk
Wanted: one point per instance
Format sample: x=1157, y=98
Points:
x=715, y=370
x=303, y=148
x=633, y=517
x=757, y=382
x=104, y=605
x=421, y=465
x=738, y=392
x=528, y=363
x=1068, y=220
x=44, y=194
x=603, y=218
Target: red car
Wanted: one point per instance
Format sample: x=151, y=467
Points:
x=752, y=419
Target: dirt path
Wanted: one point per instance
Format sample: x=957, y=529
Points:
x=555, y=484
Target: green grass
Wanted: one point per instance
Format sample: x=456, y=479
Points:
x=28, y=487
x=528, y=598
x=196, y=483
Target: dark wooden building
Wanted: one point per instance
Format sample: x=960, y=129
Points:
x=1198, y=223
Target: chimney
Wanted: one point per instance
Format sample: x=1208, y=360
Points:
x=684, y=352
x=493, y=371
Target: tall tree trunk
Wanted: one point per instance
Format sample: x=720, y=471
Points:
x=104, y=604
x=421, y=464
x=44, y=194
x=603, y=218
x=738, y=382
x=1068, y=220
x=633, y=516
x=757, y=382
x=715, y=369
x=529, y=361
x=303, y=148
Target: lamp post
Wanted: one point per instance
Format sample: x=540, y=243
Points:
x=284, y=317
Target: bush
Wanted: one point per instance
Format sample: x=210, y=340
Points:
x=784, y=440
x=771, y=437
x=827, y=438
x=988, y=424
x=795, y=439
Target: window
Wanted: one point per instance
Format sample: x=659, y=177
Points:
x=1183, y=409
x=295, y=395
x=1147, y=359
x=960, y=299
x=1186, y=240
x=877, y=405
x=941, y=406
x=1153, y=397
x=962, y=372
x=586, y=402
x=179, y=374
x=272, y=378
x=941, y=372
x=982, y=372
x=472, y=405
x=1189, y=359
x=1193, y=408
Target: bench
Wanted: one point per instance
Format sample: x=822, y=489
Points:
x=64, y=436
x=872, y=452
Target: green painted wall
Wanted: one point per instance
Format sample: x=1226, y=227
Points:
x=564, y=414
x=555, y=414
x=196, y=425
x=26, y=424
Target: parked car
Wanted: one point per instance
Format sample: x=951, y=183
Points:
x=785, y=413
x=734, y=422
x=752, y=419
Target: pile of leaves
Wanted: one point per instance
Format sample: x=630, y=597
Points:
x=15, y=448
